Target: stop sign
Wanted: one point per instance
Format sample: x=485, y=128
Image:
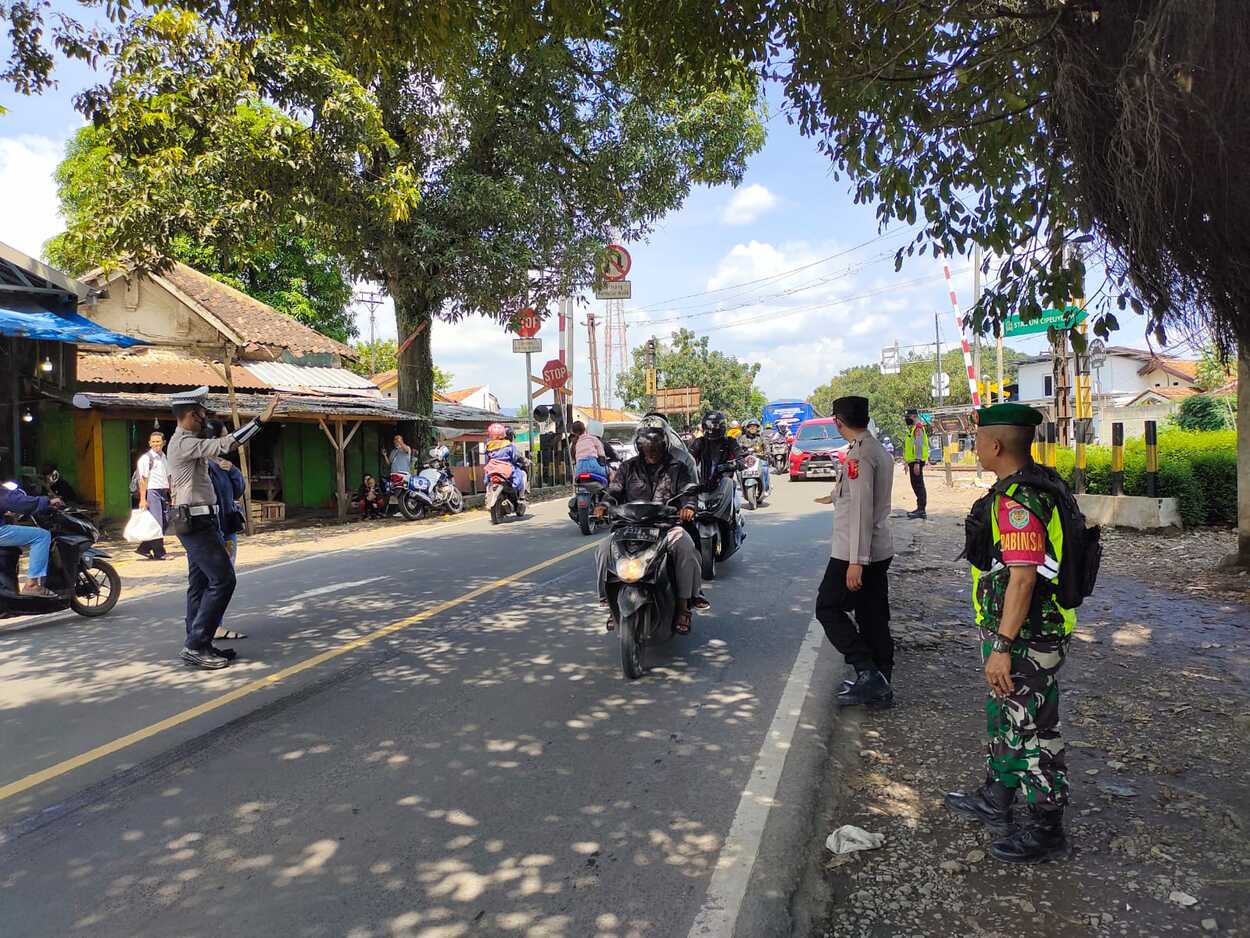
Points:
x=555, y=373
x=528, y=324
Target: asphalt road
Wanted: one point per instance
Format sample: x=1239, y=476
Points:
x=430, y=737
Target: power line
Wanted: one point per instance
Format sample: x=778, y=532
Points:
x=772, y=277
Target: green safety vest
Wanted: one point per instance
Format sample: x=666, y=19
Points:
x=1046, y=616
x=909, y=444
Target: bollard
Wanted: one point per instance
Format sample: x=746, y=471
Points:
x=946, y=458
x=1078, y=471
x=1038, y=448
x=1051, y=443
x=1117, y=459
x=1152, y=460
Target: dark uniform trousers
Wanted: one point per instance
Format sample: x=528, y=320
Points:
x=865, y=641
x=210, y=583
x=915, y=472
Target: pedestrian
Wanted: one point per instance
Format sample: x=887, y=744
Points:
x=400, y=456
x=371, y=498
x=210, y=574
x=14, y=501
x=915, y=455
x=1024, y=640
x=229, y=485
x=857, y=577
x=152, y=474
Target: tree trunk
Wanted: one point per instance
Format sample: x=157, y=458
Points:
x=1243, y=457
x=415, y=366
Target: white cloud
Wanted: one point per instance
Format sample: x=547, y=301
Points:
x=748, y=204
x=28, y=211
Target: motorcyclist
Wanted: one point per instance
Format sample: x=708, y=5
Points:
x=15, y=501
x=656, y=475
x=715, y=447
x=754, y=442
x=734, y=431
x=503, y=458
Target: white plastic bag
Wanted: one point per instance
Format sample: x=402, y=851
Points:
x=848, y=838
x=142, y=527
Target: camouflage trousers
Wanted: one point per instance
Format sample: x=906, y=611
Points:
x=1025, y=748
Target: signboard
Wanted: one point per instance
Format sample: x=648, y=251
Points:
x=614, y=290
x=555, y=373
x=945, y=388
x=650, y=389
x=1097, y=353
x=890, y=364
x=678, y=400
x=1058, y=319
x=524, y=346
x=528, y=324
x=616, y=263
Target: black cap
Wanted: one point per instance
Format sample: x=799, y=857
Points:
x=852, y=410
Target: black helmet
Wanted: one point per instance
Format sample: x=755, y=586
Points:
x=714, y=425
x=651, y=436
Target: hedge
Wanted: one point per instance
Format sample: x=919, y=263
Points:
x=1197, y=468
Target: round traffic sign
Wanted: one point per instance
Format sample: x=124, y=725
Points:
x=528, y=323
x=616, y=264
x=555, y=373
x=1097, y=353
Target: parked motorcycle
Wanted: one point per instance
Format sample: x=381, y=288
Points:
x=431, y=489
x=641, y=590
x=588, y=495
x=719, y=520
x=752, y=482
x=77, y=572
x=502, y=498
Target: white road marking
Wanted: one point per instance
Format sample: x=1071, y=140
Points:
x=321, y=591
x=727, y=889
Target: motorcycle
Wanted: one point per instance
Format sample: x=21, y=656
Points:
x=77, y=572
x=502, y=497
x=752, y=482
x=641, y=591
x=589, y=493
x=779, y=456
x=720, y=524
x=431, y=489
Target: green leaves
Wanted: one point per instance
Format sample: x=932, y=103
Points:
x=686, y=360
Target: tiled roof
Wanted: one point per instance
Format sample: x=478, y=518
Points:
x=1177, y=367
x=610, y=415
x=253, y=321
x=159, y=367
x=384, y=379
x=457, y=396
x=1171, y=394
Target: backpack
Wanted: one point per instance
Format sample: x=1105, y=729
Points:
x=134, y=482
x=1082, y=545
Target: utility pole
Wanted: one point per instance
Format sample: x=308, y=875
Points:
x=373, y=300
x=596, y=403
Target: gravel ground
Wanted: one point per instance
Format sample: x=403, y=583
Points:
x=1156, y=714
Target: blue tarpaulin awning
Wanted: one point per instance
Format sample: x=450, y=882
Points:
x=29, y=320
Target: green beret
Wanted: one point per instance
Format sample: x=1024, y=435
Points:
x=1009, y=415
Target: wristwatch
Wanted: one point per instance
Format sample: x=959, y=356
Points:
x=1001, y=643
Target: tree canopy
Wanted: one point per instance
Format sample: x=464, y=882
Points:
x=383, y=355
x=276, y=265
x=686, y=361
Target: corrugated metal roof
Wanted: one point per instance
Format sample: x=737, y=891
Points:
x=252, y=405
x=163, y=367
x=282, y=376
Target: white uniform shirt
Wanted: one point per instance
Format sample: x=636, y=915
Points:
x=154, y=467
x=861, y=512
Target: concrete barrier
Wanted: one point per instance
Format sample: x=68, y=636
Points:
x=1136, y=512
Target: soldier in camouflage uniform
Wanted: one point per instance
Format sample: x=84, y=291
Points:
x=1025, y=634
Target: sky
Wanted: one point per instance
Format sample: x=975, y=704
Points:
x=784, y=270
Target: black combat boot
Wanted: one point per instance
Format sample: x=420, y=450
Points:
x=870, y=689
x=990, y=804
x=1040, y=838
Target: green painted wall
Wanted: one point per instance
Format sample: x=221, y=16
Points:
x=318, y=466
x=291, y=461
x=307, y=463
x=55, y=441
x=116, y=469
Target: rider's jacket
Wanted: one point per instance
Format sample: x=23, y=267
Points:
x=502, y=452
x=754, y=444
x=636, y=481
x=710, y=453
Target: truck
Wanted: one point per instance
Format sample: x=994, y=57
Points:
x=786, y=415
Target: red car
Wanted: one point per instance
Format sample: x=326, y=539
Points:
x=818, y=451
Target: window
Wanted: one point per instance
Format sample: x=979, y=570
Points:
x=1048, y=385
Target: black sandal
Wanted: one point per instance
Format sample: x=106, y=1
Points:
x=682, y=623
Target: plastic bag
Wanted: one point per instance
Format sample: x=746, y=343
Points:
x=142, y=527
x=848, y=838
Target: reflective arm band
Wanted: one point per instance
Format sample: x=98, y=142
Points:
x=246, y=432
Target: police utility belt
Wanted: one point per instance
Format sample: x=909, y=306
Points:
x=189, y=519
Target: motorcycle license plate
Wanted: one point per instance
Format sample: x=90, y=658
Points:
x=636, y=532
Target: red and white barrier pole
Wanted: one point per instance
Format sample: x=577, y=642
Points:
x=963, y=341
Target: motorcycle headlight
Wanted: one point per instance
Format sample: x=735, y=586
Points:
x=632, y=569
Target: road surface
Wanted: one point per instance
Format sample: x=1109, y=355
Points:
x=429, y=737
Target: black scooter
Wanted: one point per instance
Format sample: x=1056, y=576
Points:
x=640, y=585
x=77, y=572
x=720, y=523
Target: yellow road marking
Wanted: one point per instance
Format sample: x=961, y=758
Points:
x=122, y=742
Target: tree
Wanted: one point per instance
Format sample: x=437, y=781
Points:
x=1202, y=412
x=474, y=191
x=724, y=383
x=890, y=396
x=382, y=354
x=1213, y=371
x=276, y=266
